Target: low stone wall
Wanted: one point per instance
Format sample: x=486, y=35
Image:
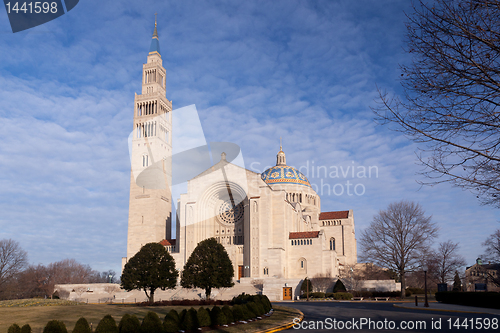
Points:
x=379, y=285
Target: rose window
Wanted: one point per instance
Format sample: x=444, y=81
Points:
x=229, y=214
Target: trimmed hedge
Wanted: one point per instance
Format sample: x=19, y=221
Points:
x=151, y=323
x=482, y=299
x=55, y=326
x=317, y=295
x=14, y=328
x=203, y=317
x=82, y=326
x=247, y=311
x=129, y=324
x=106, y=325
x=342, y=296
x=238, y=313
x=172, y=314
x=170, y=325
x=217, y=316
x=190, y=320
x=392, y=294
x=26, y=328
x=228, y=313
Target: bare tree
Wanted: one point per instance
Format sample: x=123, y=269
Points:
x=445, y=261
x=397, y=237
x=13, y=259
x=452, y=94
x=259, y=284
x=492, y=244
x=322, y=282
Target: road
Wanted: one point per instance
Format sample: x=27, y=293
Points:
x=383, y=317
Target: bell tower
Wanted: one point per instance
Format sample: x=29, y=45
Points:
x=150, y=210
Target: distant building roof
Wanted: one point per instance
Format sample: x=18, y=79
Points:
x=303, y=234
x=344, y=214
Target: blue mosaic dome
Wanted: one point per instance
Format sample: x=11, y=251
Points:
x=284, y=174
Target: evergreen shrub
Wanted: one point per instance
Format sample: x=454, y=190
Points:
x=82, y=326
x=172, y=314
x=129, y=324
x=238, y=313
x=190, y=320
x=151, y=323
x=14, y=328
x=217, y=316
x=106, y=325
x=203, y=317
x=228, y=312
x=170, y=325
x=26, y=328
x=55, y=326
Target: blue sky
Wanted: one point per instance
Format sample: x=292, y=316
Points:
x=307, y=71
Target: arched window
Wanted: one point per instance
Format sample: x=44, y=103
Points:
x=145, y=160
x=332, y=244
x=302, y=265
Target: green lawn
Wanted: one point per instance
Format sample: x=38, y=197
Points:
x=38, y=312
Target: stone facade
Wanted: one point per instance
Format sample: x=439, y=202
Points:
x=271, y=224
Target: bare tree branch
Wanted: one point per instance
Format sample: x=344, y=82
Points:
x=452, y=94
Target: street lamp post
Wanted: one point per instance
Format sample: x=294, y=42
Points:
x=307, y=289
x=426, y=303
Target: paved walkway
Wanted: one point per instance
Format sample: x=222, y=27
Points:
x=436, y=306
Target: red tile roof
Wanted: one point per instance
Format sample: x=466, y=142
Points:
x=303, y=234
x=334, y=215
x=168, y=242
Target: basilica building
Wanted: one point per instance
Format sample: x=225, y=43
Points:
x=270, y=224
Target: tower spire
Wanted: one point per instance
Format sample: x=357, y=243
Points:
x=281, y=158
x=155, y=42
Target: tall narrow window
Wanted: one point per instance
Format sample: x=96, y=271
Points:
x=145, y=160
x=332, y=244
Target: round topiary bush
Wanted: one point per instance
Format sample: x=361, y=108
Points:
x=217, y=316
x=106, y=325
x=55, y=326
x=170, y=325
x=129, y=324
x=26, y=328
x=151, y=323
x=14, y=328
x=172, y=314
x=238, y=313
x=82, y=326
x=228, y=313
x=203, y=317
x=190, y=320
